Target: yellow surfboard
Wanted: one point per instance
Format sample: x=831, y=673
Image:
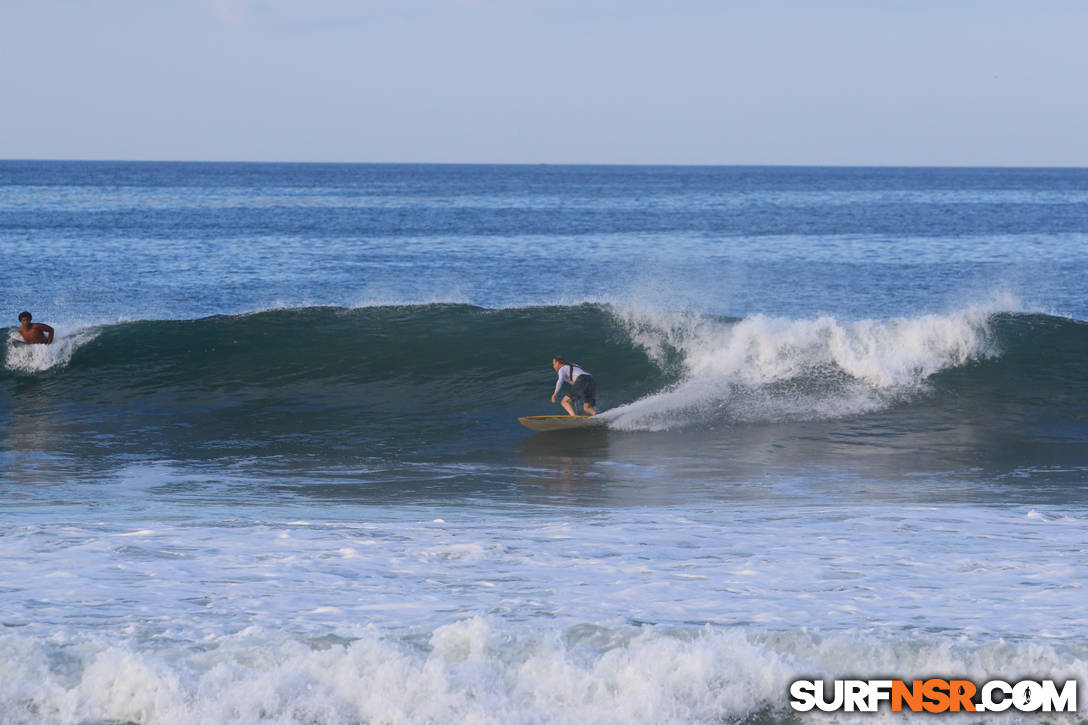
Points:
x=559, y=422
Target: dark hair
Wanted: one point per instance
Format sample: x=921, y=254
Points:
x=25, y=314
x=559, y=359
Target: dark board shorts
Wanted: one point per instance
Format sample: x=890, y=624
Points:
x=584, y=389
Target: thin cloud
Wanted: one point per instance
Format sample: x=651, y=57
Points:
x=231, y=12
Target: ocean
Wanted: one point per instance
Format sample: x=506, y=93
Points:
x=270, y=471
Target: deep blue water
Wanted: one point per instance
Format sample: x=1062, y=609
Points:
x=187, y=240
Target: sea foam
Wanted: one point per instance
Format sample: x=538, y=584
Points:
x=38, y=358
x=769, y=368
x=480, y=670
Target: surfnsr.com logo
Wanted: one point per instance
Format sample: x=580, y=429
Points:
x=934, y=695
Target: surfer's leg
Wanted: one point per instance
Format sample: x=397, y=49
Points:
x=589, y=394
x=567, y=405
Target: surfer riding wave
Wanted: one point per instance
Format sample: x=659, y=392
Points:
x=583, y=388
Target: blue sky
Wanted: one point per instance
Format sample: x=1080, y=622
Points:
x=559, y=81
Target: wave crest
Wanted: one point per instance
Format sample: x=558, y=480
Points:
x=765, y=368
x=356, y=372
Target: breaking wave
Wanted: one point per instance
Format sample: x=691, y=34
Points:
x=442, y=371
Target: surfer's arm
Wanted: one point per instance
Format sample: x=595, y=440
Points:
x=558, y=383
x=48, y=331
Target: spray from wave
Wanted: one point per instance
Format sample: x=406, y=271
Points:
x=767, y=369
x=39, y=358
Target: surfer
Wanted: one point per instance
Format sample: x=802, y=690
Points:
x=34, y=333
x=583, y=388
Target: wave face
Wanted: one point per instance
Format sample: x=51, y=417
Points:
x=408, y=380
x=393, y=380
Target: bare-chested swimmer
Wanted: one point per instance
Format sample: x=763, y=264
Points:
x=34, y=333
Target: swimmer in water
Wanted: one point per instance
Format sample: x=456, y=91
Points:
x=34, y=333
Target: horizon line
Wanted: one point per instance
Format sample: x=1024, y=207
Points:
x=549, y=163
x=556, y=163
